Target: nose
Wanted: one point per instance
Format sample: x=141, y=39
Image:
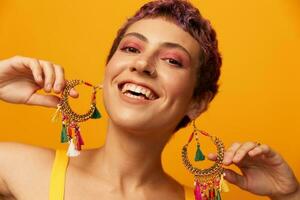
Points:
x=143, y=66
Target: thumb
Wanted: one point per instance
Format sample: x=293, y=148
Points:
x=236, y=179
x=43, y=100
x=212, y=156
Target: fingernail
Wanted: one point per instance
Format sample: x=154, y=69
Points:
x=58, y=87
x=48, y=86
x=227, y=161
x=39, y=78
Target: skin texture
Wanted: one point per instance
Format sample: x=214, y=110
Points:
x=129, y=166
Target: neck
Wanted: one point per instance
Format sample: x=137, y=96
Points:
x=130, y=159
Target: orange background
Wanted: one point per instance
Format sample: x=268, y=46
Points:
x=259, y=95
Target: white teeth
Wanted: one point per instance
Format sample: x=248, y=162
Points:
x=138, y=89
x=132, y=87
x=134, y=96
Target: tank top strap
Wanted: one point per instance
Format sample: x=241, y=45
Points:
x=189, y=193
x=58, y=174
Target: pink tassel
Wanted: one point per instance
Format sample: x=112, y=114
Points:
x=197, y=192
x=79, y=138
x=78, y=146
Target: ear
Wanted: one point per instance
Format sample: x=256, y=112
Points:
x=199, y=105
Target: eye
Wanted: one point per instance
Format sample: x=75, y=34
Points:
x=129, y=49
x=173, y=61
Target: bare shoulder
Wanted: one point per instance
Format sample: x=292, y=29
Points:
x=24, y=154
x=24, y=166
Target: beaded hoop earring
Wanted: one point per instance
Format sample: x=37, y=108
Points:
x=71, y=120
x=209, y=183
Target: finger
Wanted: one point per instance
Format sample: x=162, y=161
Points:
x=212, y=156
x=37, y=71
x=262, y=149
x=43, y=100
x=59, y=83
x=229, y=154
x=255, y=152
x=267, y=150
x=49, y=74
x=30, y=63
x=243, y=150
x=235, y=178
x=73, y=93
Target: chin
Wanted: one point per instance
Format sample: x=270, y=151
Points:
x=132, y=123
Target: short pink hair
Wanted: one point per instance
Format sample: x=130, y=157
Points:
x=188, y=17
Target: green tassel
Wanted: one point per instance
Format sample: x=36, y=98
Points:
x=96, y=114
x=64, y=136
x=199, y=155
x=218, y=197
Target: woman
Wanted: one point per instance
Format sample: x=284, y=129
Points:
x=170, y=50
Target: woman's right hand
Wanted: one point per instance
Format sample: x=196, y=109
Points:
x=22, y=77
x=264, y=171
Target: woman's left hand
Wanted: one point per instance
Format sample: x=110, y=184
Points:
x=264, y=171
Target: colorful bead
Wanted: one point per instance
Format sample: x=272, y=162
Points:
x=88, y=84
x=191, y=137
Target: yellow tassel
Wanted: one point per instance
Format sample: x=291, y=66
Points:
x=56, y=115
x=224, y=185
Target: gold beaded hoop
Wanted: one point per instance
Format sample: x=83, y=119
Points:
x=208, y=182
x=71, y=120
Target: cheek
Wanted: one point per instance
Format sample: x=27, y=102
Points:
x=179, y=85
x=115, y=66
x=112, y=70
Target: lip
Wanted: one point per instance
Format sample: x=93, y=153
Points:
x=141, y=84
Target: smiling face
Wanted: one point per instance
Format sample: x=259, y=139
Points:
x=150, y=79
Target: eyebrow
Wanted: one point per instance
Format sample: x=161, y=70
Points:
x=164, y=44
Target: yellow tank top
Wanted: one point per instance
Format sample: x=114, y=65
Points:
x=58, y=174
